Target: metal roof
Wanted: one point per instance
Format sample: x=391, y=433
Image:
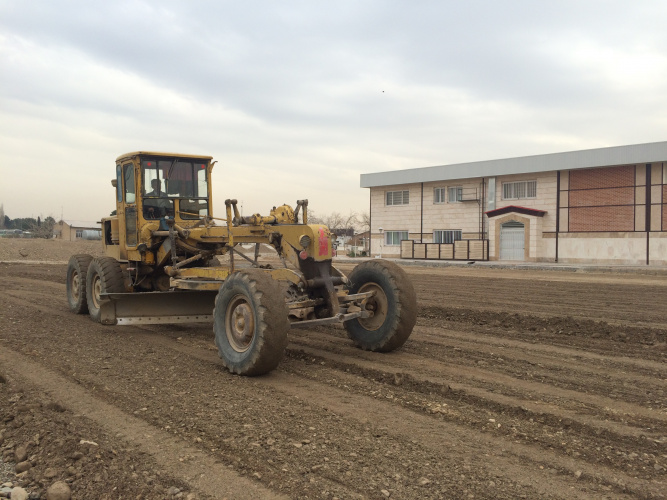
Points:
x=81, y=223
x=155, y=153
x=571, y=160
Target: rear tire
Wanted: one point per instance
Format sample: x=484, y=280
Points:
x=250, y=323
x=77, y=271
x=104, y=276
x=394, y=306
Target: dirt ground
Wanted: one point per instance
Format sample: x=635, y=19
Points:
x=514, y=384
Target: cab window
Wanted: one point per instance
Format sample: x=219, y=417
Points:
x=119, y=183
x=128, y=175
x=170, y=178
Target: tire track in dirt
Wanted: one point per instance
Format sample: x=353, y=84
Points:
x=357, y=405
x=453, y=370
x=444, y=337
x=201, y=471
x=627, y=304
x=213, y=358
x=585, y=431
x=347, y=397
x=299, y=387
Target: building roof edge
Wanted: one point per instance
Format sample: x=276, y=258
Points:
x=569, y=160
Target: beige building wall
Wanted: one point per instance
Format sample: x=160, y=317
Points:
x=605, y=248
x=63, y=231
x=394, y=217
x=580, y=247
x=463, y=215
x=545, y=199
x=658, y=249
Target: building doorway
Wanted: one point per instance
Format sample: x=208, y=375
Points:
x=512, y=241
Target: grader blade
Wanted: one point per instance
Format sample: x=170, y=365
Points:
x=153, y=308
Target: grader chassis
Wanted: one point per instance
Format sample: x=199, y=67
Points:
x=162, y=265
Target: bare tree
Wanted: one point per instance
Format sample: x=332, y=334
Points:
x=2, y=216
x=337, y=222
x=365, y=221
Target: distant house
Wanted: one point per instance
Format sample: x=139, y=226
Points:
x=77, y=230
x=361, y=241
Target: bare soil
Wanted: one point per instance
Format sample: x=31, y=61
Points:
x=43, y=250
x=514, y=384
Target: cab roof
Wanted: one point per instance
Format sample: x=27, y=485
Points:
x=127, y=156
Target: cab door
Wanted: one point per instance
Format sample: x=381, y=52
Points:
x=130, y=199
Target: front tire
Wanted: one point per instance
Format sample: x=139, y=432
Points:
x=77, y=271
x=250, y=323
x=394, y=306
x=104, y=276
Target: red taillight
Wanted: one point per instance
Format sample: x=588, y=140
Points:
x=303, y=255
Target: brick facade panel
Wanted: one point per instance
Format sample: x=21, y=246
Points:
x=596, y=178
x=598, y=197
x=602, y=219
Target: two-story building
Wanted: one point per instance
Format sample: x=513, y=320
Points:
x=606, y=205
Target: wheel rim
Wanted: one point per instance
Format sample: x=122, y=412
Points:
x=97, y=291
x=240, y=323
x=74, y=284
x=378, y=304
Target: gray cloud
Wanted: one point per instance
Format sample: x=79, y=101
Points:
x=305, y=96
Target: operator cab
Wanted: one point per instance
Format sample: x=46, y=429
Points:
x=174, y=187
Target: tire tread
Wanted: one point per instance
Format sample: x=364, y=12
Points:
x=80, y=263
x=272, y=323
x=113, y=280
x=405, y=317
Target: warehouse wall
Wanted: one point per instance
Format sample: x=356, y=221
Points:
x=603, y=214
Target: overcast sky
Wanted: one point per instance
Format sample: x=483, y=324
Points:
x=296, y=99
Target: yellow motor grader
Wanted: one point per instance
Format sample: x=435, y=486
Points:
x=167, y=260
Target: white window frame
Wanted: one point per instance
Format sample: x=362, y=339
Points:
x=400, y=236
x=439, y=195
x=458, y=194
x=78, y=233
x=447, y=236
x=392, y=198
x=519, y=190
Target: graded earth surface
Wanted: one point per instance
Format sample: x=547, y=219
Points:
x=514, y=384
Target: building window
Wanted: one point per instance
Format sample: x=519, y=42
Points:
x=455, y=194
x=439, y=195
x=394, y=238
x=446, y=235
x=519, y=190
x=79, y=233
x=398, y=197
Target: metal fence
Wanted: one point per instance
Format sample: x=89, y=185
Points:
x=459, y=250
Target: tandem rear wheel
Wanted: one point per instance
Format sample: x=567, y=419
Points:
x=77, y=270
x=104, y=276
